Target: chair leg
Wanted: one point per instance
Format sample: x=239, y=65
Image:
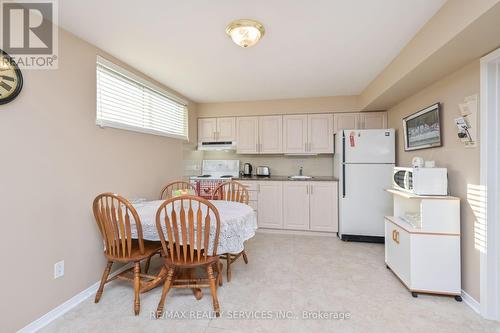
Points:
x=218, y=267
x=146, y=266
x=137, y=287
x=228, y=268
x=213, y=290
x=245, y=258
x=166, y=287
x=104, y=279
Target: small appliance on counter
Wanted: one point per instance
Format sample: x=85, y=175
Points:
x=247, y=170
x=421, y=181
x=263, y=171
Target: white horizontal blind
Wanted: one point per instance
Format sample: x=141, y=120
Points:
x=126, y=101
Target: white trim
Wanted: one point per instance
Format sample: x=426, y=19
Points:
x=489, y=165
x=66, y=306
x=105, y=62
x=296, y=232
x=471, y=302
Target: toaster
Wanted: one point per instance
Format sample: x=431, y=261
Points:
x=263, y=171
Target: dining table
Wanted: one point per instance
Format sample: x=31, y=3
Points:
x=238, y=223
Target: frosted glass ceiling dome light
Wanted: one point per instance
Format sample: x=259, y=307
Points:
x=245, y=33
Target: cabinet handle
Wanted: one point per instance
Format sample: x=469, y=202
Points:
x=395, y=236
x=307, y=189
x=257, y=147
x=311, y=189
x=305, y=146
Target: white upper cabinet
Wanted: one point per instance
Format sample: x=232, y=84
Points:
x=323, y=206
x=346, y=121
x=295, y=134
x=216, y=129
x=226, y=129
x=360, y=120
x=247, y=135
x=271, y=134
x=373, y=120
x=308, y=134
x=207, y=129
x=296, y=205
x=320, y=133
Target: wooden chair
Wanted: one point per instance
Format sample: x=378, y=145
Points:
x=232, y=191
x=187, y=221
x=166, y=192
x=115, y=218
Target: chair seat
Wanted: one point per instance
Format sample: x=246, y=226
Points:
x=150, y=248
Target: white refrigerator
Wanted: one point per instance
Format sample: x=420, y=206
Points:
x=363, y=163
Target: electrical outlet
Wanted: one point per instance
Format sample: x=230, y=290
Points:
x=58, y=269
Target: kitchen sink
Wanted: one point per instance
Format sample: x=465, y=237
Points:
x=299, y=177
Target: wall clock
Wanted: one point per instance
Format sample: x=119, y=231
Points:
x=11, y=79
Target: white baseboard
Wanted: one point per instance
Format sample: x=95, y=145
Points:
x=296, y=232
x=471, y=302
x=66, y=306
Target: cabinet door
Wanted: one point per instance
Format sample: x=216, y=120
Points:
x=207, y=128
x=373, y=120
x=397, y=251
x=296, y=205
x=270, y=205
x=271, y=134
x=247, y=135
x=226, y=129
x=323, y=202
x=320, y=133
x=294, y=134
x=346, y=121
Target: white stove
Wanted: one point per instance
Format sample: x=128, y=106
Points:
x=214, y=173
x=218, y=169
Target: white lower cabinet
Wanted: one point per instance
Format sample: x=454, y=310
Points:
x=296, y=205
x=270, y=205
x=323, y=207
x=425, y=255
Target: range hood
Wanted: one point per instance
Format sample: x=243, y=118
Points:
x=217, y=146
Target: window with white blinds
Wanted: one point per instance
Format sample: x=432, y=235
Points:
x=127, y=101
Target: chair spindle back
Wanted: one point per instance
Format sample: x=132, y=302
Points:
x=115, y=216
x=231, y=191
x=166, y=192
x=188, y=230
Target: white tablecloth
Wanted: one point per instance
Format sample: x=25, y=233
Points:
x=238, y=223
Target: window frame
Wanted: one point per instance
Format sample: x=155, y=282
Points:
x=147, y=84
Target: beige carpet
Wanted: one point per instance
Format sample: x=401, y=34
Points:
x=291, y=274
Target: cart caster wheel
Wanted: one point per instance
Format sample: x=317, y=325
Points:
x=415, y=295
x=458, y=298
x=387, y=266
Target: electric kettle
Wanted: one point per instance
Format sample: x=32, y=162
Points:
x=247, y=170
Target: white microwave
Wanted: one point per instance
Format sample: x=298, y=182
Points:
x=421, y=181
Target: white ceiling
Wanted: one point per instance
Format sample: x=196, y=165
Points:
x=311, y=47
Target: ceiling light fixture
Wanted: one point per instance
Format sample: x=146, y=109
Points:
x=245, y=33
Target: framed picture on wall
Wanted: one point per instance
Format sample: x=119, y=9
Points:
x=423, y=129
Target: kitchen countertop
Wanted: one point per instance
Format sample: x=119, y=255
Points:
x=285, y=178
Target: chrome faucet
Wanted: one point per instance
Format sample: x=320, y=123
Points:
x=300, y=171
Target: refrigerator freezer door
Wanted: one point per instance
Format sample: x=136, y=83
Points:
x=369, y=146
x=364, y=203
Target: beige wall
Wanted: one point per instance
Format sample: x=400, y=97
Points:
x=462, y=163
x=281, y=106
x=55, y=160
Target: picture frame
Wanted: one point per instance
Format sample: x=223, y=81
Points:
x=423, y=128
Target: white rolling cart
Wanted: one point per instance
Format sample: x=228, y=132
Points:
x=422, y=243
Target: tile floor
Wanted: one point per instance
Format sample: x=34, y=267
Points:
x=292, y=274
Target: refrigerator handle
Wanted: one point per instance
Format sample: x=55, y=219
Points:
x=343, y=164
